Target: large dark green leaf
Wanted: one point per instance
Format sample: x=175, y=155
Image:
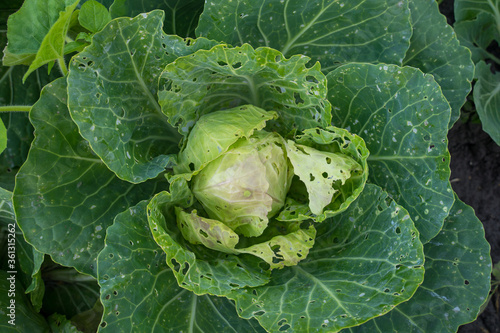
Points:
x=222, y=78
x=332, y=32
x=181, y=16
x=456, y=281
x=365, y=261
x=434, y=48
x=25, y=318
x=403, y=118
x=487, y=100
x=65, y=197
x=112, y=89
x=139, y=291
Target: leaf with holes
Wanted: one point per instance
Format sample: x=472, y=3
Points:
x=112, y=88
x=364, y=263
x=402, y=116
x=456, y=280
x=223, y=77
x=139, y=289
x=64, y=181
x=331, y=32
x=434, y=49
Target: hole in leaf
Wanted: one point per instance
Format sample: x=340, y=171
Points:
x=104, y=324
x=203, y=233
x=325, y=175
x=237, y=65
x=107, y=296
x=191, y=166
x=115, y=292
x=311, y=177
x=386, y=290
x=259, y=313
x=328, y=160
x=111, y=255
x=186, y=268
x=176, y=265
x=466, y=282
x=298, y=99
x=255, y=292
x=284, y=328
x=222, y=63
x=398, y=230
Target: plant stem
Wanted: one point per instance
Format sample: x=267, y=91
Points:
x=62, y=65
x=15, y=108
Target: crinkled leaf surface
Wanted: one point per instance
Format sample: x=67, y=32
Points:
x=403, y=118
x=456, y=281
x=26, y=318
x=365, y=261
x=139, y=290
x=338, y=141
x=216, y=132
x=52, y=47
x=112, y=95
x=28, y=27
x=222, y=78
x=487, y=100
x=65, y=197
x=181, y=16
x=332, y=32
x=196, y=267
x=434, y=48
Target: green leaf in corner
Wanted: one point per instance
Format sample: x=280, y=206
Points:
x=139, y=290
x=52, y=46
x=456, y=281
x=365, y=262
x=434, y=49
x=487, y=100
x=403, y=117
x=93, y=16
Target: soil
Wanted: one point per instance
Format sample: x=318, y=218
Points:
x=475, y=177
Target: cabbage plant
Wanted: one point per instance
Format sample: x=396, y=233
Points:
x=237, y=166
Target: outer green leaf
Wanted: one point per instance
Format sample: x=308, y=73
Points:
x=52, y=47
x=139, y=291
x=365, y=262
x=112, y=89
x=181, y=15
x=25, y=318
x=215, y=133
x=332, y=32
x=434, y=48
x=477, y=35
x=196, y=267
x=468, y=9
x=487, y=100
x=65, y=197
x=403, y=118
x=28, y=27
x=27, y=260
x=222, y=78
x=456, y=281
x=93, y=16
x=59, y=323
